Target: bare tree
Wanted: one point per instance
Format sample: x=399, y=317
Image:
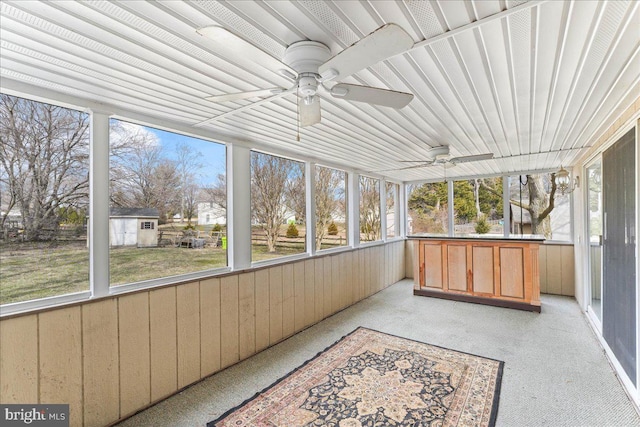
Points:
x=329, y=193
x=296, y=190
x=217, y=192
x=188, y=165
x=269, y=180
x=43, y=162
x=370, y=208
x=140, y=175
x=540, y=190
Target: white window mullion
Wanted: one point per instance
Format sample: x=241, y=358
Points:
x=383, y=210
x=238, y=207
x=506, y=205
x=99, y=204
x=353, y=208
x=451, y=216
x=310, y=183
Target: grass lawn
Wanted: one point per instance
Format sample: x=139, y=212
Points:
x=37, y=270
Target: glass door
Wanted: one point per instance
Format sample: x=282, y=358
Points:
x=594, y=226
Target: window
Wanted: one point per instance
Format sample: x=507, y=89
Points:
x=536, y=208
x=369, y=209
x=331, y=208
x=478, y=207
x=391, y=209
x=171, y=180
x=44, y=196
x=278, y=206
x=427, y=209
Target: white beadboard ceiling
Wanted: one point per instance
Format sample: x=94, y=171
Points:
x=532, y=82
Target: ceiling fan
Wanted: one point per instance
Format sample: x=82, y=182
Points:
x=440, y=156
x=315, y=71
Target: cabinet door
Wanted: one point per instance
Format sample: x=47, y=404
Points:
x=619, y=293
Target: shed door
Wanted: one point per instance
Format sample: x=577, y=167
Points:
x=619, y=276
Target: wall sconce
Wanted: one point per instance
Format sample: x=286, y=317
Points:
x=564, y=182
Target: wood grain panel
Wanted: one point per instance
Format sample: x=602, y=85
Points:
x=362, y=274
x=512, y=272
x=554, y=269
x=275, y=305
x=19, y=360
x=247, y=314
x=188, y=326
x=163, y=342
x=433, y=266
x=299, y=303
x=135, y=369
x=288, y=308
x=483, y=269
x=100, y=367
x=209, y=326
x=336, y=297
x=319, y=288
x=60, y=360
x=229, y=339
x=457, y=267
x=309, y=292
x=568, y=271
x=327, y=304
x=262, y=309
x=542, y=258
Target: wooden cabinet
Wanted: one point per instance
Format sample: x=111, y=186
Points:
x=504, y=273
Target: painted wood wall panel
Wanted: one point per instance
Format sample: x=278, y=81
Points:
x=19, y=360
x=163, y=342
x=262, y=309
x=188, y=327
x=288, y=308
x=229, y=339
x=275, y=304
x=247, y=314
x=299, y=303
x=100, y=362
x=60, y=354
x=133, y=335
x=319, y=288
x=209, y=326
x=309, y=292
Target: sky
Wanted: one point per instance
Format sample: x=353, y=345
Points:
x=212, y=157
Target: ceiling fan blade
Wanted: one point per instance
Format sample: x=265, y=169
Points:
x=371, y=95
x=310, y=113
x=225, y=40
x=387, y=41
x=261, y=93
x=473, y=158
x=246, y=107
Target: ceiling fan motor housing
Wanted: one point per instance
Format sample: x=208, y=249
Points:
x=306, y=56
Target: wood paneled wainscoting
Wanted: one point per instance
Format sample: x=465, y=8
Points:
x=111, y=357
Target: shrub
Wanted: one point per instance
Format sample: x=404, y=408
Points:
x=189, y=227
x=482, y=226
x=217, y=227
x=292, y=230
x=332, y=229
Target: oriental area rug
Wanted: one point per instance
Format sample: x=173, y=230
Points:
x=370, y=378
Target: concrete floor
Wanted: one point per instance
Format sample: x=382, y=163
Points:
x=555, y=372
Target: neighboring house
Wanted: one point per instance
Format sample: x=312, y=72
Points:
x=133, y=227
x=209, y=214
x=14, y=218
